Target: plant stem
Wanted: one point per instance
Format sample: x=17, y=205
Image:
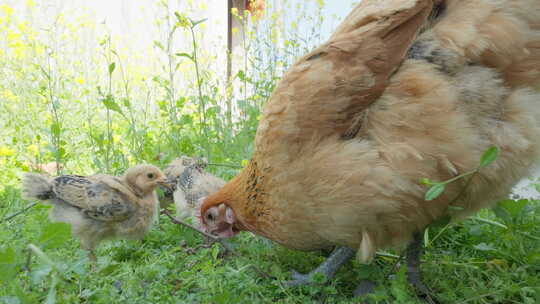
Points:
x=56, y=137
x=9, y=217
x=202, y=107
x=208, y=235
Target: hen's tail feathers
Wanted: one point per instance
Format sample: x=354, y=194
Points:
x=36, y=186
x=502, y=34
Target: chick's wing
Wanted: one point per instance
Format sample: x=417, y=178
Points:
x=94, y=196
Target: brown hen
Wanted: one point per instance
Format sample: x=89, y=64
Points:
x=404, y=89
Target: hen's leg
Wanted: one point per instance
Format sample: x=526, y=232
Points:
x=329, y=267
x=413, y=253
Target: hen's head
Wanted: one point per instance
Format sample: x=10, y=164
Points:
x=144, y=179
x=217, y=217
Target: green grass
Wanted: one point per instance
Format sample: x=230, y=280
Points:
x=471, y=262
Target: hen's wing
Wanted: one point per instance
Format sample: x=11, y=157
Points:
x=95, y=197
x=324, y=93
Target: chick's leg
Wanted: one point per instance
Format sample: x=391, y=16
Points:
x=92, y=256
x=329, y=267
x=413, y=254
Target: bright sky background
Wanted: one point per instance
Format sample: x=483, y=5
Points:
x=134, y=18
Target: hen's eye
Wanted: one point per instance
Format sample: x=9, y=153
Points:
x=210, y=217
x=150, y=175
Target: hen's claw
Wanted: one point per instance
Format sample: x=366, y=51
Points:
x=413, y=253
x=299, y=279
x=365, y=287
x=328, y=268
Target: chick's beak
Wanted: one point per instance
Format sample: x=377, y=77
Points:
x=164, y=182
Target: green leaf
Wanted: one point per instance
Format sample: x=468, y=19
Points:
x=110, y=104
x=441, y=222
x=159, y=45
x=51, y=296
x=109, y=269
x=215, y=252
x=489, y=156
x=367, y=271
x=178, y=16
x=112, y=66
x=55, y=129
x=126, y=102
x=54, y=235
x=241, y=75
x=434, y=192
x=319, y=278
x=484, y=247
x=40, y=272
x=195, y=23
x=180, y=102
x=7, y=264
x=455, y=208
x=186, y=119
x=426, y=181
x=502, y=214
x=512, y=207
x=185, y=55
x=10, y=300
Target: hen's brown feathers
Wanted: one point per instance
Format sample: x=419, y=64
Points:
x=356, y=62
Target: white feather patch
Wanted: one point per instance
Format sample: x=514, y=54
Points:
x=367, y=249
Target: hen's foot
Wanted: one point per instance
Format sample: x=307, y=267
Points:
x=328, y=268
x=413, y=253
x=365, y=287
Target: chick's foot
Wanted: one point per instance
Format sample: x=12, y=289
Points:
x=328, y=268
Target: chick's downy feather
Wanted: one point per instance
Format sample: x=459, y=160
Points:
x=100, y=206
x=190, y=184
x=398, y=93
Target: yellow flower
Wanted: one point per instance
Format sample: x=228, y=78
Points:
x=32, y=149
x=79, y=80
x=8, y=10
x=30, y=3
x=182, y=21
x=8, y=95
x=5, y=151
x=244, y=162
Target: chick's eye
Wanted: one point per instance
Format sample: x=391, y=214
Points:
x=209, y=217
x=150, y=175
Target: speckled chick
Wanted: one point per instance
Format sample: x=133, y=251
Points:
x=190, y=183
x=100, y=206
